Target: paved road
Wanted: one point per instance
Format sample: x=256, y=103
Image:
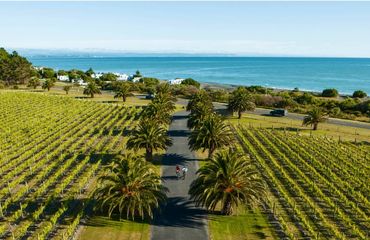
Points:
x=180, y=219
x=294, y=116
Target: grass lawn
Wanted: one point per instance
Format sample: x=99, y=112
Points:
x=324, y=129
x=103, y=228
x=245, y=225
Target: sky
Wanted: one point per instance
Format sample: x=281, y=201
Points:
x=337, y=29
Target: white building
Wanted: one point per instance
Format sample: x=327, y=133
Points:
x=135, y=79
x=63, y=78
x=121, y=77
x=80, y=82
x=97, y=75
x=175, y=81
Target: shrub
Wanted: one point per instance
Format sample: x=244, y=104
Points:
x=268, y=100
x=192, y=82
x=330, y=92
x=359, y=94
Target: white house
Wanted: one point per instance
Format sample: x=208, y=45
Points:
x=80, y=82
x=175, y=81
x=121, y=77
x=135, y=79
x=63, y=78
x=96, y=75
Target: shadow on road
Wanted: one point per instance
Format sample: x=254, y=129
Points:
x=179, y=117
x=178, y=133
x=173, y=159
x=180, y=212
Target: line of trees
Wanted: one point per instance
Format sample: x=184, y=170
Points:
x=130, y=185
x=228, y=179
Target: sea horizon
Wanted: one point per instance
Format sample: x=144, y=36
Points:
x=346, y=74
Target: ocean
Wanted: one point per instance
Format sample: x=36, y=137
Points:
x=311, y=74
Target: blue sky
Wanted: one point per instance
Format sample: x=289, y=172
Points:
x=244, y=28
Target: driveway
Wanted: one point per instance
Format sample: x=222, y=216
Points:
x=179, y=219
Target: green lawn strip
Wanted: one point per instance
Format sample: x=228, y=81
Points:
x=245, y=225
x=290, y=125
x=104, y=228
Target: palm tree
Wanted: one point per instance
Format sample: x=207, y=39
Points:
x=130, y=185
x=200, y=98
x=150, y=136
x=49, y=83
x=227, y=180
x=123, y=91
x=197, y=116
x=156, y=112
x=240, y=101
x=66, y=88
x=314, y=117
x=34, y=82
x=91, y=89
x=212, y=135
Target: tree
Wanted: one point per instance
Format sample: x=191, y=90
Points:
x=91, y=89
x=130, y=185
x=212, y=135
x=198, y=115
x=110, y=77
x=240, y=101
x=192, y=82
x=48, y=73
x=34, y=83
x=15, y=69
x=359, y=94
x=149, y=136
x=330, y=92
x=227, y=180
x=122, y=90
x=314, y=117
x=48, y=83
x=200, y=98
x=66, y=88
x=137, y=74
x=90, y=72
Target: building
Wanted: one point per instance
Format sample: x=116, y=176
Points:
x=175, y=81
x=63, y=78
x=96, y=75
x=135, y=79
x=80, y=82
x=121, y=77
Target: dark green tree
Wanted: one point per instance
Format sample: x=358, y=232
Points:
x=67, y=88
x=34, y=83
x=130, y=186
x=48, y=84
x=150, y=136
x=240, y=101
x=213, y=134
x=228, y=180
x=91, y=89
x=314, y=117
x=192, y=82
x=122, y=90
x=359, y=94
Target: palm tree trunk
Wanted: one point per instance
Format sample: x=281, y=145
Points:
x=124, y=98
x=315, y=126
x=210, y=152
x=92, y=95
x=239, y=114
x=226, y=209
x=149, y=154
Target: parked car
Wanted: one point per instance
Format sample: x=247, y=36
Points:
x=279, y=112
x=149, y=96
